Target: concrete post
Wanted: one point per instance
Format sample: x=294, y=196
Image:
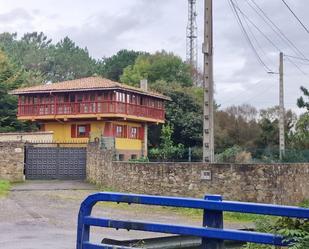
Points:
x=144, y=86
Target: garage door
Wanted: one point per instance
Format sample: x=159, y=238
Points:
x=42, y=163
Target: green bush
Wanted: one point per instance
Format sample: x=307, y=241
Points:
x=140, y=160
x=167, y=149
x=295, y=230
x=234, y=154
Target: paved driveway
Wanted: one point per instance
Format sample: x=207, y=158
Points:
x=43, y=215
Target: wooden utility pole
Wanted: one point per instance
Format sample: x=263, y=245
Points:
x=208, y=124
x=281, y=109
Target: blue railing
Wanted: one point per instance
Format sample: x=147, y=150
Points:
x=212, y=232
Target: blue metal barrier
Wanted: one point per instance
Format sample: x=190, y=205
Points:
x=212, y=232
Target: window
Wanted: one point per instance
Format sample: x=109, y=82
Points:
x=133, y=132
x=80, y=130
x=119, y=131
x=121, y=157
x=133, y=157
x=92, y=97
x=79, y=98
x=42, y=127
x=151, y=103
x=121, y=97
x=134, y=99
x=107, y=96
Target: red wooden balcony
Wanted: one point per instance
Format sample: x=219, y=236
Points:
x=90, y=107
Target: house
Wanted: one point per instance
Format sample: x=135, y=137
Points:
x=94, y=109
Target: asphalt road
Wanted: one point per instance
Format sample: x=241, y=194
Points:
x=43, y=215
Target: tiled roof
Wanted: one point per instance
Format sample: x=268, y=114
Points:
x=84, y=84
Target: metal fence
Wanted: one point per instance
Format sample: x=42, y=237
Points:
x=243, y=155
x=212, y=232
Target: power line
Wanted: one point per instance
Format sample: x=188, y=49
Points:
x=256, y=40
x=297, y=66
x=297, y=18
x=239, y=21
x=295, y=57
x=274, y=27
x=246, y=20
x=265, y=36
x=257, y=28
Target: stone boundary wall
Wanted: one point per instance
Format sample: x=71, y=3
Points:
x=39, y=136
x=12, y=161
x=267, y=183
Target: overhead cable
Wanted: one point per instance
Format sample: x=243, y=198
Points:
x=297, y=18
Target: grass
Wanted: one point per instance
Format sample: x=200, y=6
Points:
x=195, y=214
x=305, y=203
x=228, y=216
x=4, y=187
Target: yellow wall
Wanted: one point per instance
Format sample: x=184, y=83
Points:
x=62, y=133
x=128, y=144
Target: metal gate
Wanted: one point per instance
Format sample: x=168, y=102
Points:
x=47, y=163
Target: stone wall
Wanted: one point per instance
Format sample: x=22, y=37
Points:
x=39, y=136
x=269, y=183
x=12, y=161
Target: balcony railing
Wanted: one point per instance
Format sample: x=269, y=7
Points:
x=102, y=107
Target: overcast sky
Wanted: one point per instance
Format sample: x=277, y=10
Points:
x=105, y=27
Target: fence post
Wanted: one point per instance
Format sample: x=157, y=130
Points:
x=190, y=154
x=214, y=219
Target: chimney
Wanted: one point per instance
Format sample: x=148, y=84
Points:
x=144, y=84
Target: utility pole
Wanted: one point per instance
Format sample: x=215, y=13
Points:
x=281, y=109
x=192, y=39
x=208, y=124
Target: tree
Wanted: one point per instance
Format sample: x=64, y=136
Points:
x=161, y=66
x=112, y=67
x=30, y=53
x=44, y=61
x=299, y=137
x=184, y=112
x=268, y=141
x=167, y=149
x=10, y=78
x=68, y=61
x=236, y=125
x=301, y=102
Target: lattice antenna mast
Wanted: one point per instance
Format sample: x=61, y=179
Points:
x=192, y=39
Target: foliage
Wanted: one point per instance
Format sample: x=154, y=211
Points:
x=268, y=141
x=236, y=125
x=301, y=102
x=300, y=137
x=10, y=78
x=4, y=187
x=68, y=61
x=295, y=231
x=161, y=66
x=184, y=112
x=197, y=153
x=167, y=149
x=234, y=154
x=112, y=67
x=140, y=160
x=296, y=155
x=44, y=61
